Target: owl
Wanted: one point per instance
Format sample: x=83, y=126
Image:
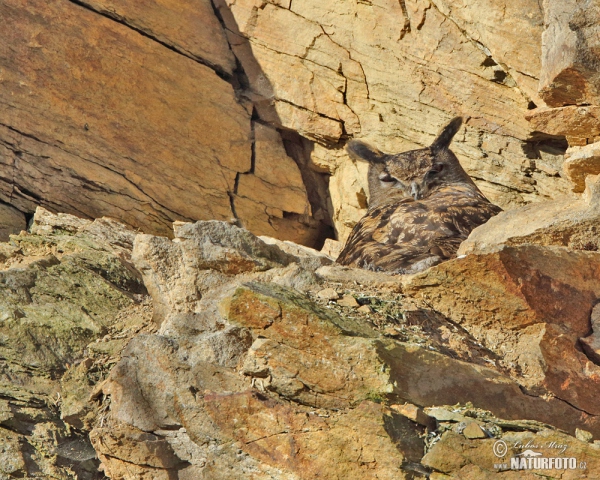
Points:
x=422, y=206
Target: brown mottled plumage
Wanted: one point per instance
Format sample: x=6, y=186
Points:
x=422, y=206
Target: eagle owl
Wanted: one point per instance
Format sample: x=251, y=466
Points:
x=422, y=206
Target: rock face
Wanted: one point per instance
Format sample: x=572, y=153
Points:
x=264, y=360
x=575, y=122
x=564, y=222
x=63, y=287
x=197, y=350
x=137, y=119
x=240, y=110
x=570, y=55
x=570, y=82
x=332, y=72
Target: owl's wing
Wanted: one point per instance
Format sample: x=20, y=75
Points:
x=413, y=235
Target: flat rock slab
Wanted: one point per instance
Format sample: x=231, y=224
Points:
x=567, y=221
x=192, y=29
x=573, y=120
x=112, y=122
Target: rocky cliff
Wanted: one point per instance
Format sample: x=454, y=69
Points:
x=158, y=111
x=218, y=354
x=148, y=332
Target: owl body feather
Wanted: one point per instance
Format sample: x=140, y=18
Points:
x=406, y=234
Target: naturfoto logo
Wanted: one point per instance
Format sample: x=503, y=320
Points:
x=530, y=459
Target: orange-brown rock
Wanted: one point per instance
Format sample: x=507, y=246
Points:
x=570, y=57
x=567, y=221
x=137, y=117
x=271, y=198
x=581, y=162
x=573, y=121
x=354, y=443
x=529, y=304
x=126, y=451
x=191, y=29
x=464, y=459
x=112, y=122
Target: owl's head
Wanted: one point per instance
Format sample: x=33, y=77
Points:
x=416, y=173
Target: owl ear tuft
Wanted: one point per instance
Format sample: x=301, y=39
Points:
x=359, y=150
x=447, y=134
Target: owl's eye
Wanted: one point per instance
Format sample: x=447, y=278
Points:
x=386, y=177
x=437, y=168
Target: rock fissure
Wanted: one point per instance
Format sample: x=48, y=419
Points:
x=320, y=114
x=86, y=181
x=566, y=402
x=406, y=26
x=486, y=51
x=147, y=33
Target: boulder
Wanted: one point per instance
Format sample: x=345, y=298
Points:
x=480, y=459
x=569, y=222
x=528, y=304
x=263, y=378
x=178, y=272
x=123, y=450
x=570, y=43
x=65, y=289
x=581, y=162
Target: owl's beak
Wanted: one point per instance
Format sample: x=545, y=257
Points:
x=415, y=191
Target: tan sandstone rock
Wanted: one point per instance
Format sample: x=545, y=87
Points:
x=572, y=121
x=581, y=162
x=366, y=70
x=570, y=55
x=567, y=221
x=271, y=199
x=126, y=451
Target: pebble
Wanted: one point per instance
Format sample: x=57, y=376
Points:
x=583, y=435
x=328, y=294
x=348, y=301
x=473, y=431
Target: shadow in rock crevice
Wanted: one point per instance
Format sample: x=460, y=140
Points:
x=255, y=92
